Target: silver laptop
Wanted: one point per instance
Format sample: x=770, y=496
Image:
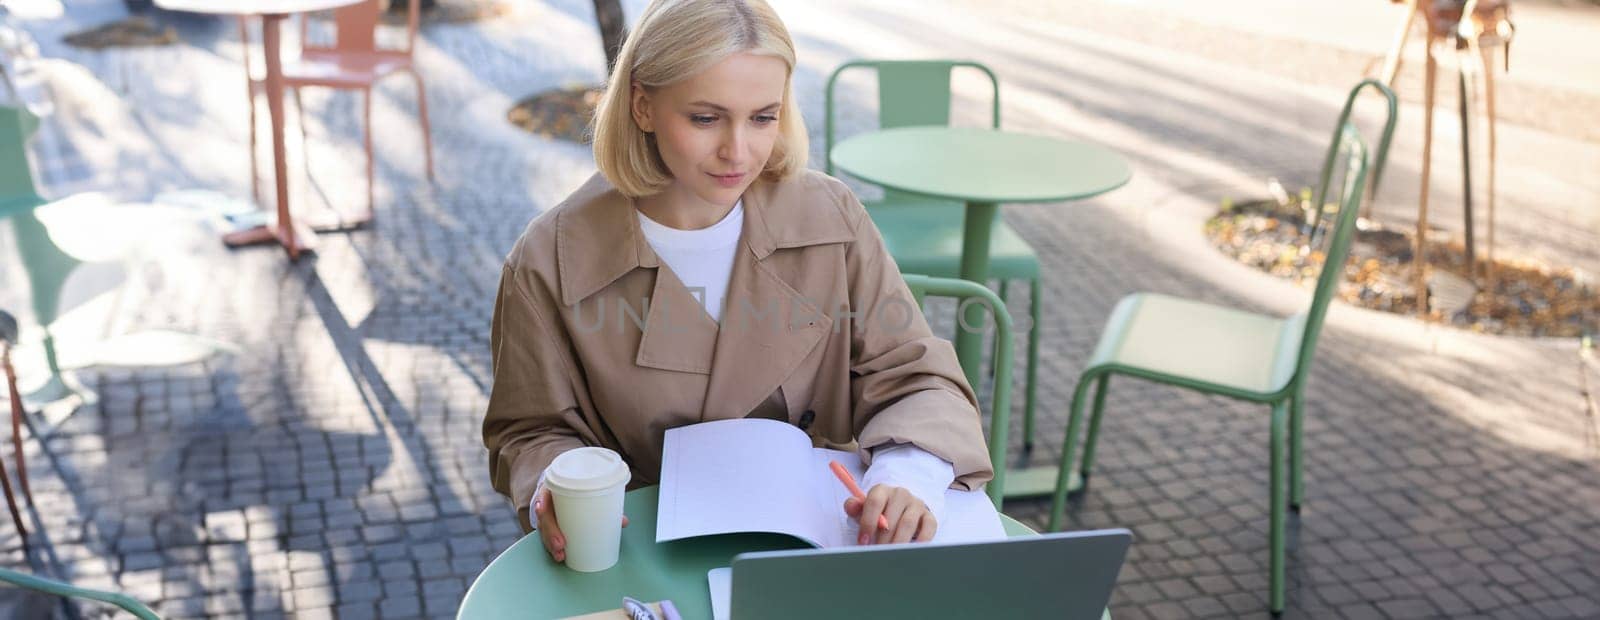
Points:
x=1065, y=575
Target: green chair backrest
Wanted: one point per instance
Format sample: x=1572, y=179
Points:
x=1346, y=140
x=910, y=93
x=16, y=180
x=58, y=588
x=1000, y=415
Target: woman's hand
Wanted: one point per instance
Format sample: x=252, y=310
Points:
x=544, y=516
x=909, y=518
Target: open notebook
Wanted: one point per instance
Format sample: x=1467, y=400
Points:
x=758, y=475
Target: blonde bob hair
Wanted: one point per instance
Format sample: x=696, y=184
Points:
x=676, y=39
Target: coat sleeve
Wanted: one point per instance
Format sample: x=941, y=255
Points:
x=533, y=414
x=906, y=384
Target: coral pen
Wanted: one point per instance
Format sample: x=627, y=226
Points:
x=850, y=483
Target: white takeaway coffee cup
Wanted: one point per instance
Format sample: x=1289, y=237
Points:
x=587, y=485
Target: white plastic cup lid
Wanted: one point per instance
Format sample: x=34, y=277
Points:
x=587, y=470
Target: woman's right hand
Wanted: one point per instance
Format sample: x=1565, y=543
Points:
x=544, y=516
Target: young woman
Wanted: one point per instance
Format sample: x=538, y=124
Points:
x=706, y=274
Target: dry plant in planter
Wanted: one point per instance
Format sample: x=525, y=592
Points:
x=1528, y=298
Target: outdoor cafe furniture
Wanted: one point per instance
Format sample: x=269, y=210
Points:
x=8, y=337
x=50, y=586
x=353, y=62
x=45, y=265
x=982, y=168
x=1233, y=353
x=922, y=234
x=921, y=287
x=295, y=237
x=523, y=582
x=51, y=240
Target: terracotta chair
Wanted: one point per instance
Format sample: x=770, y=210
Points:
x=352, y=62
x=8, y=335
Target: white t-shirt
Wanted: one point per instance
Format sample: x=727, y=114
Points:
x=702, y=259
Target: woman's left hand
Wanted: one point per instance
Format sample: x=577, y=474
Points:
x=909, y=518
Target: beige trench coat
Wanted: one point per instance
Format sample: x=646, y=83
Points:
x=596, y=343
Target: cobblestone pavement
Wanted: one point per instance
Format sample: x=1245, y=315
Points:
x=331, y=465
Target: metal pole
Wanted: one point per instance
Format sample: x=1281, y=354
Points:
x=1420, y=261
x=1466, y=167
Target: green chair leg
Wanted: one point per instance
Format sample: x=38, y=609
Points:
x=1275, y=479
x=1034, y=329
x=1297, y=487
x=1064, y=472
x=1094, y=426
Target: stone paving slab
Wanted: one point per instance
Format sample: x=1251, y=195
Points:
x=332, y=466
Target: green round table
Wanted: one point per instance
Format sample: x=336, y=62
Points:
x=983, y=168
x=523, y=582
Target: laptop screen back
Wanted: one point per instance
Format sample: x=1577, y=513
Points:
x=1065, y=575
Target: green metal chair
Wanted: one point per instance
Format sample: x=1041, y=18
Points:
x=17, y=124
x=68, y=590
x=46, y=265
x=1233, y=353
x=1000, y=408
x=924, y=235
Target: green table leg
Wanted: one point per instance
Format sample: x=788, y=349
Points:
x=974, y=268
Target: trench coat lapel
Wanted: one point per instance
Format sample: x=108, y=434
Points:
x=678, y=333
x=599, y=243
x=750, y=354
x=768, y=328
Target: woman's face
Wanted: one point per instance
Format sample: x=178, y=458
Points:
x=715, y=130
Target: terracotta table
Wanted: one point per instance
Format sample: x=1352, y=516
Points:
x=295, y=237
